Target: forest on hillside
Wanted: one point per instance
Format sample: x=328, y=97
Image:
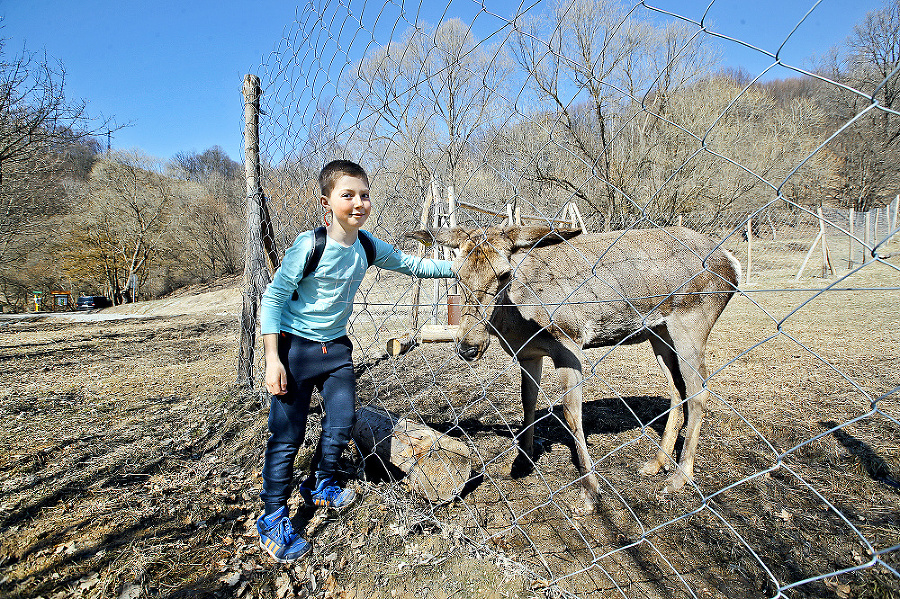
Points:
x=87, y=221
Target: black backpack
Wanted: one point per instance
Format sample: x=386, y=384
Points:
x=319, y=247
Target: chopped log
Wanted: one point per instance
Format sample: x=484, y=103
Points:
x=437, y=465
x=400, y=345
x=430, y=333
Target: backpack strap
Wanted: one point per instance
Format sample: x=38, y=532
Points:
x=368, y=245
x=319, y=247
x=313, y=261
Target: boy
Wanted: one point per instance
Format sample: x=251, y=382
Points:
x=303, y=320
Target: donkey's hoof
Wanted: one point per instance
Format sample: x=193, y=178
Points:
x=522, y=466
x=585, y=506
x=674, y=484
x=651, y=468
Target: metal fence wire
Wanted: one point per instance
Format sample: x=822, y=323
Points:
x=617, y=117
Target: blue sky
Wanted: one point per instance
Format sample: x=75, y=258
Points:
x=173, y=69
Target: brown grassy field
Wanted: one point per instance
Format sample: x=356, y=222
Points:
x=130, y=461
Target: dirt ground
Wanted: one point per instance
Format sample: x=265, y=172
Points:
x=130, y=468
x=130, y=464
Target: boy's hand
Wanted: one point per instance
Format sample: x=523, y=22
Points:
x=276, y=377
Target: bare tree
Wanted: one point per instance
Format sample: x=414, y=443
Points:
x=42, y=137
x=129, y=210
x=704, y=163
x=609, y=78
x=580, y=60
x=874, y=48
x=430, y=95
x=382, y=86
x=209, y=230
x=868, y=170
x=207, y=238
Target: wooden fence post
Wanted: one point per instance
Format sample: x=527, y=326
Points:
x=808, y=255
x=826, y=256
x=401, y=345
x=451, y=221
x=417, y=293
x=850, y=240
x=577, y=219
x=896, y=212
x=875, y=228
x=866, y=238
x=892, y=218
x=749, y=250
x=260, y=255
x=438, y=250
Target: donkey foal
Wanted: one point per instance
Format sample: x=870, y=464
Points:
x=554, y=293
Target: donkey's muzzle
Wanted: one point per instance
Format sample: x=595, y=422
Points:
x=468, y=353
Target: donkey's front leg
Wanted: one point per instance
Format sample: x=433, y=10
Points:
x=531, y=383
x=569, y=371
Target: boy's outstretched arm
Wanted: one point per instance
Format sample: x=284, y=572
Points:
x=391, y=258
x=276, y=375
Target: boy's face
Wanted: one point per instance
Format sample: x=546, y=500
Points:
x=349, y=202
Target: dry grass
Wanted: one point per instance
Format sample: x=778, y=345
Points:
x=130, y=463
x=130, y=469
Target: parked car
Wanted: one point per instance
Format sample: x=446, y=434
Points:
x=92, y=302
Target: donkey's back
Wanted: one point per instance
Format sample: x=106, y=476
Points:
x=604, y=288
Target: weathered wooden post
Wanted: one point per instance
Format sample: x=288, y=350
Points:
x=896, y=212
x=749, y=250
x=809, y=254
x=401, y=345
x=437, y=250
x=453, y=296
x=826, y=256
x=423, y=224
x=875, y=228
x=850, y=240
x=260, y=248
x=867, y=239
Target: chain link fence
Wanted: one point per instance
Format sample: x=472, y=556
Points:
x=610, y=117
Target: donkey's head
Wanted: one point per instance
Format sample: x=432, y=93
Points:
x=483, y=269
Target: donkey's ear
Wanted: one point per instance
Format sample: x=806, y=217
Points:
x=423, y=235
x=539, y=236
x=564, y=234
x=446, y=237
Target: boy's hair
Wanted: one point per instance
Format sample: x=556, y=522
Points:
x=334, y=170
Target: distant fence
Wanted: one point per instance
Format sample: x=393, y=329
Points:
x=465, y=114
x=838, y=239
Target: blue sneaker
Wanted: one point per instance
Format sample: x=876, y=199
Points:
x=277, y=536
x=328, y=494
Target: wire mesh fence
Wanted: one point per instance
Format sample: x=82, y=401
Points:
x=613, y=118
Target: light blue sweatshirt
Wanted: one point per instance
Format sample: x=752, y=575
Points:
x=325, y=300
